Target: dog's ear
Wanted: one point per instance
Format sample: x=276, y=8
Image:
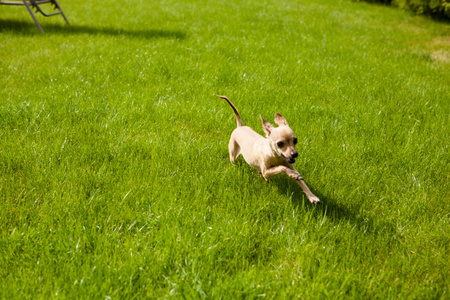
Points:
x=280, y=120
x=267, y=127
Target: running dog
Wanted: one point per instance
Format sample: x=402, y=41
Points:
x=272, y=155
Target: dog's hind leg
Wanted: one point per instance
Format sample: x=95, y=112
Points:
x=234, y=150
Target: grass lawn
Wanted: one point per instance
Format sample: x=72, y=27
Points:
x=115, y=181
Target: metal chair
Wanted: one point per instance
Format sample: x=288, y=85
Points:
x=35, y=4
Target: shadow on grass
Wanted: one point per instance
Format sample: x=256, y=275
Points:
x=29, y=28
x=351, y=213
x=332, y=210
x=326, y=205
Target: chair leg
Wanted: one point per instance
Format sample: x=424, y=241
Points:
x=60, y=9
x=32, y=15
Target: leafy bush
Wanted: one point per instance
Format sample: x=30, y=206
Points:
x=440, y=8
x=435, y=7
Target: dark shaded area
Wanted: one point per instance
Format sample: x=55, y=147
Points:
x=434, y=9
x=333, y=210
x=336, y=212
x=327, y=206
x=29, y=28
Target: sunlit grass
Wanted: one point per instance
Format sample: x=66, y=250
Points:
x=115, y=179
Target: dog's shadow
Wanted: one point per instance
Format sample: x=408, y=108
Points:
x=287, y=186
x=329, y=208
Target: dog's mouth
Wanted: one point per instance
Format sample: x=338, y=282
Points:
x=289, y=160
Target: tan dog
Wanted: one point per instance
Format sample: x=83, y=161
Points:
x=272, y=155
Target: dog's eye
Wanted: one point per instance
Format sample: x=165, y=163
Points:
x=295, y=141
x=280, y=144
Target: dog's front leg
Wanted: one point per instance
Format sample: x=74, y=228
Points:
x=270, y=172
x=311, y=197
x=267, y=173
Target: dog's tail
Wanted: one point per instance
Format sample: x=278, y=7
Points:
x=238, y=117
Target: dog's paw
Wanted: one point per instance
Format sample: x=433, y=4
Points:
x=296, y=176
x=314, y=199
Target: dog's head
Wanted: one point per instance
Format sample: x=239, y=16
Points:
x=282, y=137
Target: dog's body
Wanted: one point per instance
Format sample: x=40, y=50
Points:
x=272, y=155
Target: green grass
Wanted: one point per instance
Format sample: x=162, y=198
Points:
x=114, y=173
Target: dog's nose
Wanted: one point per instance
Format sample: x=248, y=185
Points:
x=294, y=154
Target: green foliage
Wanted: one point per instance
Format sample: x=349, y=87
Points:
x=434, y=7
x=440, y=8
